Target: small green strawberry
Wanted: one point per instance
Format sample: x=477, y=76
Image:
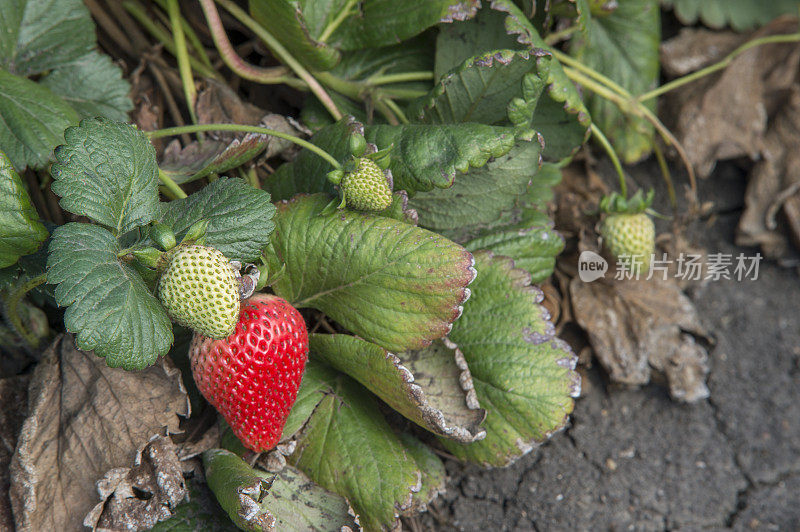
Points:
x=199, y=290
x=628, y=232
x=365, y=186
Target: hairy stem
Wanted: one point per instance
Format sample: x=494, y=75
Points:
x=232, y=60
x=603, y=140
x=182, y=54
x=12, y=308
x=335, y=23
x=720, y=65
x=162, y=36
x=175, y=191
x=279, y=50
x=166, y=132
x=400, y=77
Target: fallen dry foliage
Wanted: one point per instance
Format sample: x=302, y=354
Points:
x=138, y=497
x=13, y=398
x=750, y=109
x=639, y=330
x=85, y=419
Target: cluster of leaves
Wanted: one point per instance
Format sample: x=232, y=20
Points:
x=53, y=43
x=436, y=291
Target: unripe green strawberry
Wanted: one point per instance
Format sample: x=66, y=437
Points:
x=367, y=188
x=199, y=290
x=630, y=238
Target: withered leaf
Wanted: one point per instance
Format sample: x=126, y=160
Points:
x=431, y=386
x=13, y=398
x=139, y=497
x=637, y=326
x=84, y=419
x=725, y=115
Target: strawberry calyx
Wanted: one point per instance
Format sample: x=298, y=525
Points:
x=615, y=203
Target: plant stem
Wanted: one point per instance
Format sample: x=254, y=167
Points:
x=395, y=109
x=182, y=54
x=12, y=308
x=164, y=38
x=335, y=23
x=603, y=140
x=171, y=185
x=166, y=132
x=279, y=50
x=239, y=66
x=577, y=65
x=723, y=63
x=194, y=40
x=559, y=36
x=400, y=77
x=635, y=108
x=662, y=164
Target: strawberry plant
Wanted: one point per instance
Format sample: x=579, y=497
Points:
x=358, y=307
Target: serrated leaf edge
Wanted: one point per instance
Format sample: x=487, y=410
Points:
x=522, y=280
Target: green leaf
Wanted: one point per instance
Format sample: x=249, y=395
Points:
x=431, y=387
x=110, y=309
x=428, y=156
x=391, y=283
x=741, y=15
x=384, y=22
x=481, y=196
x=107, y=171
x=41, y=35
x=260, y=501
x=32, y=121
x=624, y=47
x=533, y=248
x=524, y=376
x=239, y=217
x=21, y=232
x=559, y=115
x=434, y=476
x=349, y=448
x=93, y=85
x=288, y=21
x=199, y=160
x=307, y=174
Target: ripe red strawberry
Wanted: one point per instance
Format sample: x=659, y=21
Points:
x=252, y=376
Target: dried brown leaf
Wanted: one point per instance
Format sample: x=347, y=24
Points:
x=774, y=180
x=13, y=398
x=139, y=497
x=84, y=419
x=726, y=115
x=637, y=326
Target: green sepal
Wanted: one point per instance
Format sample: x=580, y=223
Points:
x=163, y=236
x=615, y=203
x=149, y=257
x=196, y=233
x=335, y=176
x=358, y=144
x=382, y=157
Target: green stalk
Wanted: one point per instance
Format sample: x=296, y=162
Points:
x=12, y=308
x=182, y=54
x=164, y=38
x=278, y=49
x=180, y=130
x=395, y=109
x=688, y=78
x=191, y=35
x=603, y=140
x=400, y=77
x=175, y=191
x=335, y=23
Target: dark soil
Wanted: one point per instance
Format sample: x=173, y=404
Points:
x=636, y=460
